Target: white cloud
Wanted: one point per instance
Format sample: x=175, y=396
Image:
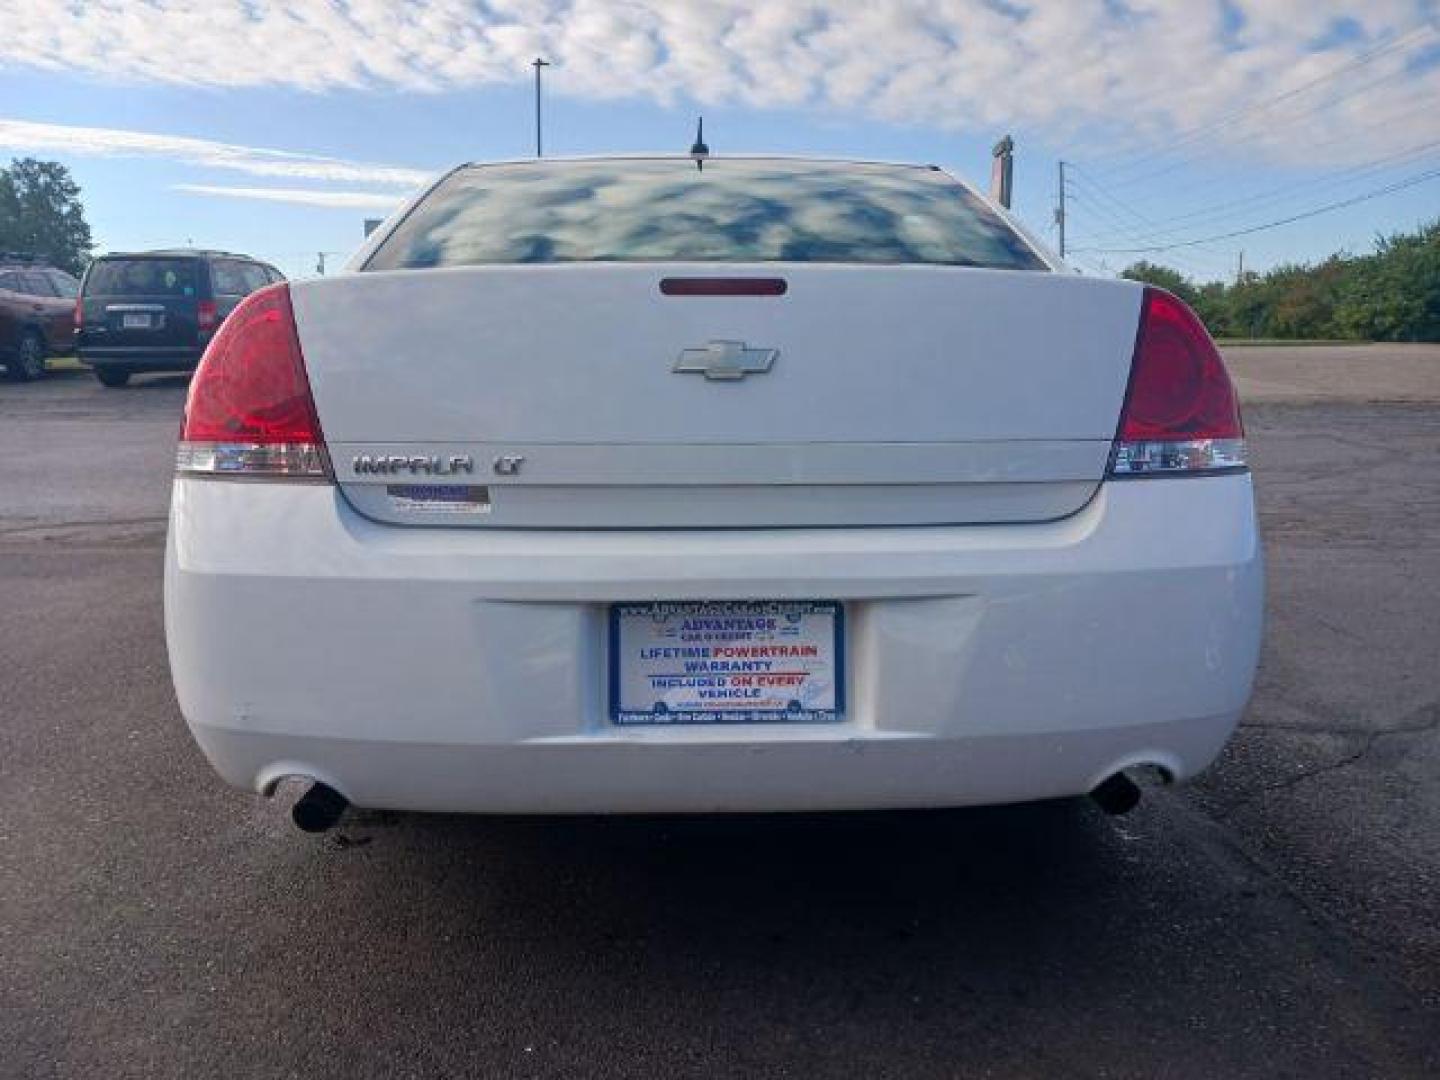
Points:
x=22, y=135
x=376, y=200
x=1080, y=71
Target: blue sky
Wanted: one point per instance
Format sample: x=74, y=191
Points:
x=1183, y=120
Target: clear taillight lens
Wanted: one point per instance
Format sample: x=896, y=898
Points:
x=1181, y=415
x=250, y=413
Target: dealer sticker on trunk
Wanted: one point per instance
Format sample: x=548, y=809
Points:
x=727, y=663
x=438, y=499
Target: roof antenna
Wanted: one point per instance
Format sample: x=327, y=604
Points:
x=699, y=151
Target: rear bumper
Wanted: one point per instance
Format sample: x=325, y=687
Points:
x=142, y=359
x=434, y=669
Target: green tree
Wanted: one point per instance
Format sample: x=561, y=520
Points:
x=1303, y=298
x=1394, y=295
x=1211, y=303
x=1248, y=307
x=1391, y=295
x=1163, y=277
x=40, y=213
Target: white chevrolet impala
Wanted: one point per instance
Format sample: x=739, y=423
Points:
x=623, y=485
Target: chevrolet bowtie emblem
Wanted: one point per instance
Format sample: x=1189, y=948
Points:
x=726, y=360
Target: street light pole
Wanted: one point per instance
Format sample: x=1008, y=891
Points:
x=537, y=63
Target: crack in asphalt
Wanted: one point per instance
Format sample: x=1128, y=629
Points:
x=1428, y=719
x=1214, y=836
x=97, y=523
x=1429, y=714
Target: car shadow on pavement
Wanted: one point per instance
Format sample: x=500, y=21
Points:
x=158, y=382
x=934, y=935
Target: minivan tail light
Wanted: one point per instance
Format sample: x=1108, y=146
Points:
x=205, y=315
x=1181, y=415
x=250, y=413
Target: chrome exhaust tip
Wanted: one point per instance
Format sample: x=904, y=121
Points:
x=1117, y=795
x=319, y=809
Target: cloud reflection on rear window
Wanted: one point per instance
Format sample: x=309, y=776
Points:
x=666, y=210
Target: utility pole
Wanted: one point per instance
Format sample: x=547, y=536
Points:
x=537, y=63
x=1060, y=210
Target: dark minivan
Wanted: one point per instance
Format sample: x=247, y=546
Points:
x=157, y=310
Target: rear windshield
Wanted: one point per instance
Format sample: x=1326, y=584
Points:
x=667, y=210
x=142, y=277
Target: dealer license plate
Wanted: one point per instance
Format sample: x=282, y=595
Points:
x=727, y=663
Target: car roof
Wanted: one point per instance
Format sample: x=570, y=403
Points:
x=177, y=253
x=799, y=159
x=22, y=260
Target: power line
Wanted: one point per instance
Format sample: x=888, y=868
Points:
x=1221, y=268
x=1163, y=228
x=1186, y=263
x=1334, y=176
x=1193, y=264
x=1388, y=189
x=1381, y=121
x=1343, y=176
x=1218, y=270
x=1198, y=263
x=1147, y=226
x=1294, y=120
x=1202, y=130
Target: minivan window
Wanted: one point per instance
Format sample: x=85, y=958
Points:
x=227, y=277
x=141, y=277
x=667, y=210
x=254, y=276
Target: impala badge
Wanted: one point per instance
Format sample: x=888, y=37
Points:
x=726, y=360
x=415, y=465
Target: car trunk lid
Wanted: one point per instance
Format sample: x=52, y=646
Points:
x=585, y=396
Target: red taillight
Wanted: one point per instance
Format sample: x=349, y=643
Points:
x=79, y=315
x=1181, y=414
x=205, y=315
x=250, y=411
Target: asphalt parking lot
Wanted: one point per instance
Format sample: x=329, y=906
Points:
x=1277, y=918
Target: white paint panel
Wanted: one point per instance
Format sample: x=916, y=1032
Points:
x=444, y=669
x=1000, y=390
x=583, y=355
